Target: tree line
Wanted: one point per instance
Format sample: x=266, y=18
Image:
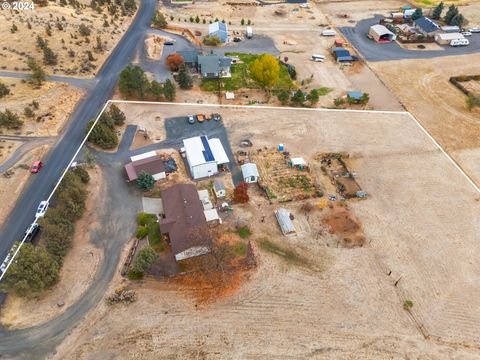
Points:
x=134, y=84
x=36, y=268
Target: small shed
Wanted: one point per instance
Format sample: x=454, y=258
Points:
x=298, y=162
x=219, y=188
x=250, y=173
x=284, y=218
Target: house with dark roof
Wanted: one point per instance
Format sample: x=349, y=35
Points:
x=343, y=55
x=218, y=29
x=426, y=26
x=212, y=66
x=184, y=225
x=190, y=57
x=148, y=162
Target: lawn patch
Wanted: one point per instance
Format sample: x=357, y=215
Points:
x=324, y=91
x=244, y=232
x=241, y=78
x=286, y=254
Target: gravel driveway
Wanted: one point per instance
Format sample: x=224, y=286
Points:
x=372, y=51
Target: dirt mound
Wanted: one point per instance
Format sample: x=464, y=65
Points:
x=344, y=224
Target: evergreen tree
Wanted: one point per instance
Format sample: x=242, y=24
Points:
x=145, y=181
x=169, y=90
x=184, y=78
x=451, y=13
x=437, y=12
x=418, y=13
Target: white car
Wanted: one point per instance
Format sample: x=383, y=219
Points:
x=466, y=33
x=474, y=30
x=42, y=209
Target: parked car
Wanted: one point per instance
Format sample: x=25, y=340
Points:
x=168, y=43
x=467, y=33
x=32, y=232
x=474, y=30
x=208, y=117
x=42, y=209
x=198, y=33
x=200, y=118
x=236, y=39
x=190, y=119
x=36, y=166
x=217, y=117
x=318, y=58
x=3, y=267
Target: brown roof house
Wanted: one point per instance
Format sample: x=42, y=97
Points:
x=149, y=162
x=185, y=223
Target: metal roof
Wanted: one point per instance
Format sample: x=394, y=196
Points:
x=201, y=150
x=249, y=170
x=286, y=224
x=426, y=24
x=217, y=26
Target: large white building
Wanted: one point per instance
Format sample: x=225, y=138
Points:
x=204, y=156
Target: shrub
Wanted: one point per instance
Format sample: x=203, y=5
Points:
x=145, y=181
x=4, y=90
x=142, y=231
x=82, y=174
x=159, y=21
x=212, y=40
x=174, y=61
x=244, y=232
x=10, y=120
x=84, y=30
x=407, y=304
x=144, y=259
x=117, y=115
x=142, y=218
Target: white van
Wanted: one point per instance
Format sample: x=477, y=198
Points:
x=329, y=33
x=318, y=58
x=459, y=42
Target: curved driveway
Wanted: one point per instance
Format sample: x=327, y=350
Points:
x=372, y=51
x=29, y=143
x=37, y=341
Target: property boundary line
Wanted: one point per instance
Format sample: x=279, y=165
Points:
x=451, y=160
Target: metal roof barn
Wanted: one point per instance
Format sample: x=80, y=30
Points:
x=204, y=155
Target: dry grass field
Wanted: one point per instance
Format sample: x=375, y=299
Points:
x=437, y=104
x=59, y=25
x=56, y=102
x=421, y=234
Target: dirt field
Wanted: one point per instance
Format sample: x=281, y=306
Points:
x=11, y=187
x=56, y=102
x=19, y=45
x=437, y=104
x=77, y=272
x=421, y=234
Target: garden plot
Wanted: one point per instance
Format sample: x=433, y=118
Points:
x=282, y=182
x=335, y=168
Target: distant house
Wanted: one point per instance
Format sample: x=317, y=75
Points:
x=250, y=173
x=148, y=162
x=426, y=26
x=219, y=188
x=184, y=224
x=204, y=156
x=214, y=67
x=218, y=29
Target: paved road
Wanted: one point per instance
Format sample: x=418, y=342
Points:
x=36, y=341
x=82, y=83
x=372, y=51
x=29, y=143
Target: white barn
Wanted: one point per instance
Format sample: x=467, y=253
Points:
x=204, y=156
